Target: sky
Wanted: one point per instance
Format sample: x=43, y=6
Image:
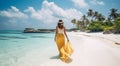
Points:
x=44, y=14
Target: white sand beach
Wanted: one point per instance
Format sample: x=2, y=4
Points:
x=90, y=49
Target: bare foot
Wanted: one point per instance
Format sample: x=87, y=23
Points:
x=69, y=60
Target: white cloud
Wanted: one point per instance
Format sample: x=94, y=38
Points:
x=12, y=13
x=101, y=3
x=12, y=17
x=95, y=2
x=48, y=15
x=80, y=3
x=50, y=12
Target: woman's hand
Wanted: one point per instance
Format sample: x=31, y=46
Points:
x=68, y=40
x=54, y=39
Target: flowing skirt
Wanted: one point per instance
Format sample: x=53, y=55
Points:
x=64, y=47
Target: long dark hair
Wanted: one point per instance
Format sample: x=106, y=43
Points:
x=60, y=24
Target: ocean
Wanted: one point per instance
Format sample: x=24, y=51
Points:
x=25, y=49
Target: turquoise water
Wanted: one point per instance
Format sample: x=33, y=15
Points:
x=15, y=45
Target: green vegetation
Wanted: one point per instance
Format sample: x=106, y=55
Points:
x=95, y=26
x=117, y=25
x=95, y=22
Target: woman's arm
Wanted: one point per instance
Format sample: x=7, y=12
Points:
x=55, y=33
x=66, y=34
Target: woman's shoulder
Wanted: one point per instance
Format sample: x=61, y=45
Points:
x=60, y=28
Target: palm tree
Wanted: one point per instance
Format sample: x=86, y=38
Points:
x=73, y=21
x=100, y=17
x=85, y=22
x=90, y=14
x=113, y=14
x=95, y=15
x=79, y=23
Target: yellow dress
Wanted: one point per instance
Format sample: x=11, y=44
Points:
x=64, y=47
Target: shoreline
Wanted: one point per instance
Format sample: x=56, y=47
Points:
x=90, y=49
x=113, y=39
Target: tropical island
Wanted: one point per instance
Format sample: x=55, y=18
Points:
x=32, y=30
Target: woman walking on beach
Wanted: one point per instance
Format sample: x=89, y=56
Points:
x=64, y=47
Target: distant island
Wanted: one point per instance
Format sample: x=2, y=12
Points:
x=32, y=30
